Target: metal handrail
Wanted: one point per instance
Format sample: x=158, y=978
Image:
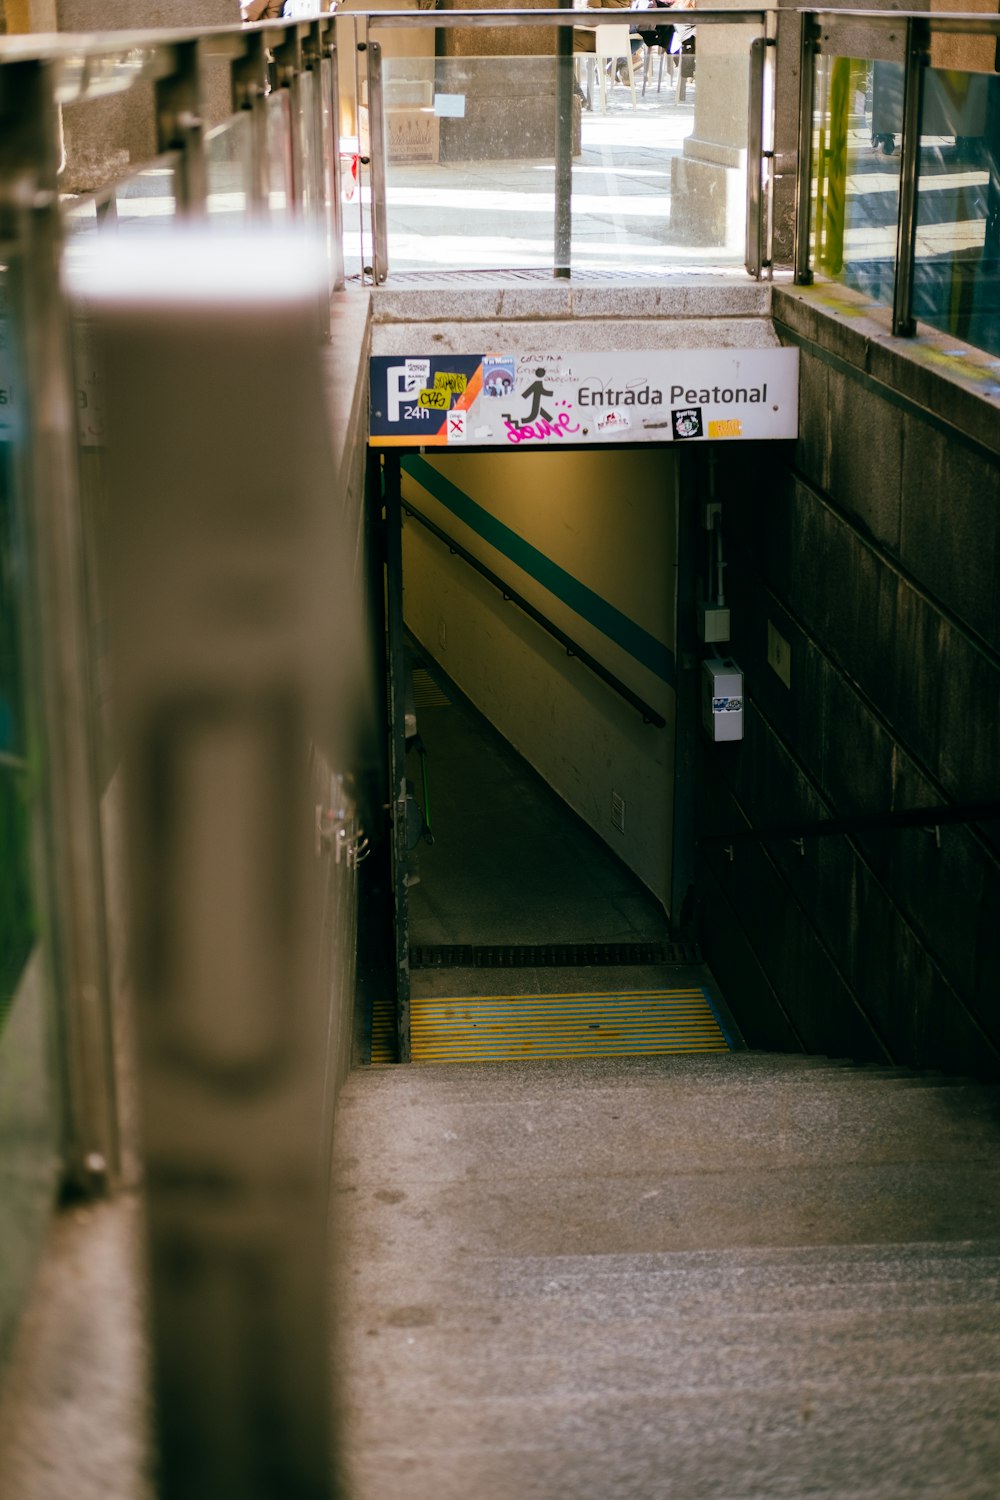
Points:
x=908, y=817
x=473, y=19
x=572, y=648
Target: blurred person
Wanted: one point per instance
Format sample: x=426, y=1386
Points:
x=262, y=10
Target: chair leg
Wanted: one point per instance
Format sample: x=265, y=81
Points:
x=603, y=85
x=631, y=75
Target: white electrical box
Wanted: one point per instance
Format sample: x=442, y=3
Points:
x=713, y=623
x=722, y=699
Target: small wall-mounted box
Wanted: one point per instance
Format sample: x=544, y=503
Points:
x=713, y=623
x=722, y=699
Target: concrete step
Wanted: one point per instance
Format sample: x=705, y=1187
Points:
x=661, y=1128
x=878, y=1439
x=732, y=1278
x=491, y=1354
x=814, y=1283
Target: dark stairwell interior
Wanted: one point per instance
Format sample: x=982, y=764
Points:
x=512, y=896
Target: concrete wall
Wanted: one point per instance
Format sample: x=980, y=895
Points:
x=871, y=545
x=608, y=520
x=103, y=136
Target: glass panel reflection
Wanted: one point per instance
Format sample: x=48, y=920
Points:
x=659, y=144
x=856, y=173
x=470, y=169
x=147, y=199
x=306, y=126
x=660, y=179
x=957, y=270
x=228, y=158
x=279, y=153
x=17, y=917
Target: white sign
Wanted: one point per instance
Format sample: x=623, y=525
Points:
x=512, y=400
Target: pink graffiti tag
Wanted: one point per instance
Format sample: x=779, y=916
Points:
x=520, y=432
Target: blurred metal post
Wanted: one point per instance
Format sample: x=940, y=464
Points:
x=756, y=249
x=288, y=64
x=332, y=188
x=180, y=126
x=379, y=166
x=310, y=124
x=233, y=633
x=249, y=91
x=561, y=265
x=312, y=54
x=918, y=41
x=803, y=173
x=60, y=632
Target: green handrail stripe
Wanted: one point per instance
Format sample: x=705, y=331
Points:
x=639, y=644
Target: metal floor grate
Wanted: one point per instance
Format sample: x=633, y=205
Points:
x=539, y=276
x=550, y=955
x=507, y=1028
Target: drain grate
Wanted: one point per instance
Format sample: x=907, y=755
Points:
x=550, y=955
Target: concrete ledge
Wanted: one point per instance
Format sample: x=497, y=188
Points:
x=711, y=313
x=952, y=383
x=345, y=365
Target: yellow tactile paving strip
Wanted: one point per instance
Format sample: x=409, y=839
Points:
x=384, y=1030
x=502, y=1028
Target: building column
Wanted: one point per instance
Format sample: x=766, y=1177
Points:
x=708, y=182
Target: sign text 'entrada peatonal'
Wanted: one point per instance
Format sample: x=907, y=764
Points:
x=512, y=400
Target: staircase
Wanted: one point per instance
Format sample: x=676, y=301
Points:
x=729, y=1277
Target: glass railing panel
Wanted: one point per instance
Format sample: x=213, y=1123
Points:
x=279, y=153
x=17, y=914
x=660, y=175
x=80, y=215
x=305, y=124
x=228, y=164
x=856, y=139
x=85, y=76
x=330, y=172
x=147, y=199
x=470, y=170
x=957, y=267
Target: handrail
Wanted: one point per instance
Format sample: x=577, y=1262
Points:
x=649, y=714
x=908, y=817
x=744, y=15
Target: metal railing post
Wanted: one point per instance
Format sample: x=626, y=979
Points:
x=333, y=185
x=562, y=257
x=315, y=186
x=249, y=90
x=803, y=176
x=180, y=126
x=917, y=58
x=288, y=64
x=756, y=251
x=377, y=169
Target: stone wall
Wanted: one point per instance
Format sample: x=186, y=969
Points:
x=871, y=546
x=104, y=135
x=508, y=79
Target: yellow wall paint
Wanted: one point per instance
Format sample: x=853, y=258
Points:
x=607, y=517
